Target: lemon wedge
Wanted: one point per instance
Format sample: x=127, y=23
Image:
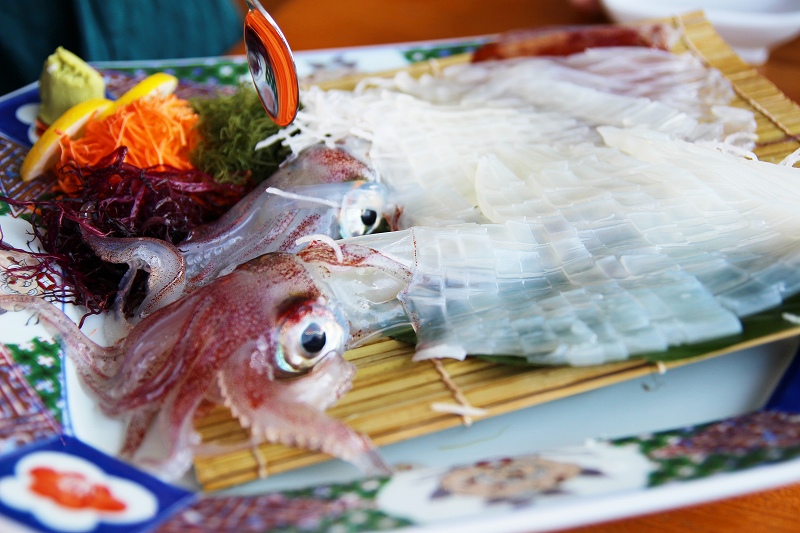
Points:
x=159, y=83
x=46, y=151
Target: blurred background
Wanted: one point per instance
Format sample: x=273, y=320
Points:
x=309, y=25
x=100, y=30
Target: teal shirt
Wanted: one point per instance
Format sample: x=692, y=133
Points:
x=102, y=30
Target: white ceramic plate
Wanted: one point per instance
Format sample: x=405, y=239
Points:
x=643, y=445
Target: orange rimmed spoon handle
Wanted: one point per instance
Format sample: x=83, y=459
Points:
x=271, y=65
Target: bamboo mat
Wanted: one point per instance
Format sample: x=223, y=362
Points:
x=777, y=116
x=392, y=396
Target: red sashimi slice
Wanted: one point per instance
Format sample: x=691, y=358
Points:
x=563, y=41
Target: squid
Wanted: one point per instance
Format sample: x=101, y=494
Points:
x=275, y=360
x=262, y=340
x=321, y=191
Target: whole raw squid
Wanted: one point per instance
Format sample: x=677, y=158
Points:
x=262, y=340
x=321, y=191
x=269, y=347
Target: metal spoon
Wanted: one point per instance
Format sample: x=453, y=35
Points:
x=271, y=64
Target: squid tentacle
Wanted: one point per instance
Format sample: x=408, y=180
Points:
x=175, y=420
x=162, y=260
x=180, y=447
x=291, y=411
x=138, y=425
x=94, y=362
x=313, y=430
x=150, y=374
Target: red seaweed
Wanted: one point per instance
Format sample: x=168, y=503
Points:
x=115, y=199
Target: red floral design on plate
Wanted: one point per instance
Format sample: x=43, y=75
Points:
x=73, y=490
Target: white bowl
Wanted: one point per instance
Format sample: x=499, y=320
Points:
x=751, y=27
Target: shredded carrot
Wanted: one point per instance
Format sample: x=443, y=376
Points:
x=158, y=132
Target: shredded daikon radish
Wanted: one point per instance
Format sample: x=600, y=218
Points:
x=457, y=409
x=426, y=135
x=612, y=86
x=791, y=159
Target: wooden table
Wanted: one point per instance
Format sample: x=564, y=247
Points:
x=309, y=24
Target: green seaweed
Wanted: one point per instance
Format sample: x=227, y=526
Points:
x=230, y=126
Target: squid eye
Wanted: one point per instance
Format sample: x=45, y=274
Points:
x=369, y=217
x=362, y=208
x=313, y=339
x=308, y=332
